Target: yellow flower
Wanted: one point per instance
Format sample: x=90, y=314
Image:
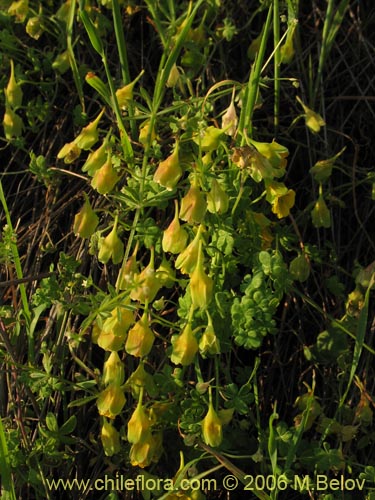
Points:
x=138, y=425
x=105, y=178
x=187, y=260
x=124, y=95
x=193, y=205
x=113, y=333
x=141, y=454
x=13, y=91
x=212, y=431
x=209, y=343
x=111, y=401
x=69, y=152
x=217, y=199
x=113, y=370
x=12, y=124
x=19, y=9
x=210, y=139
x=140, y=338
x=281, y=198
x=85, y=221
x=139, y=379
x=185, y=347
x=174, y=237
x=89, y=134
x=201, y=285
x=169, y=171
x=313, y=120
x=173, y=77
x=111, y=247
x=96, y=159
x=110, y=439
x=147, y=283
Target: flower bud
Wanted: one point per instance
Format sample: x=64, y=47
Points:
x=193, y=205
x=299, y=268
x=62, y=14
x=86, y=221
x=111, y=401
x=96, y=159
x=61, y=64
x=12, y=124
x=254, y=47
x=185, y=347
x=111, y=247
x=209, y=343
x=229, y=120
x=173, y=77
x=138, y=425
x=69, y=152
x=187, y=260
x=212, y=432
x=165, y=274
x=141, y=379
x=320, y=214
x=110, y=439
x=140, y=338
x=147, y=283
x=113, y=370
x=34, y=27
x=128, y=271
x=113, y=333
x=105, y=178
x=201, y=285
x=89, y=134
x=287, y=50
x=169, y=171
x=144, y=133
x=124, y=95
x=217, y=199
x=313, y=120
x=174, y=237
x=19, y=9
x=141, y=454
x=13, y=91
x=211, y=139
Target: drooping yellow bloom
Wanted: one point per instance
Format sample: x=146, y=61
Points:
x=13, y=91
x=111, y=401
x=185, y=347
x=201, y=285
x=85, y=221
x=187, y=260
x=193, y=205
x=140, y=338
x=110, y=439
x=169, y=171
x=111, y=247
x=174, y=237
x=212, y=431
x=281, y=198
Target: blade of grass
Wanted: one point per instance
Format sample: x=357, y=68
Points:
x=123, y=57
x=17, y=264
x=359, y=341
x=72, y=59
x=331, y=27
x=252, y=88
x=7, y=488
x=277, y=62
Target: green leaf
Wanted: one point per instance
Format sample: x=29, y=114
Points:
x=51, y=422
